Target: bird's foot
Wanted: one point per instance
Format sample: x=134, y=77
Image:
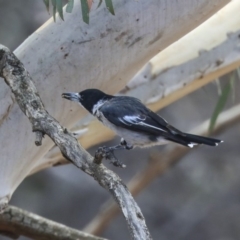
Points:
x=125, y=145
x=108, y=154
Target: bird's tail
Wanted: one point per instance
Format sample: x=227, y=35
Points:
x=203, y=140
x=190, y=140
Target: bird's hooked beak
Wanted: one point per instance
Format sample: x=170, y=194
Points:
x=72, y=96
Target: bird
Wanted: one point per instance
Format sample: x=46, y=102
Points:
x=130, y=119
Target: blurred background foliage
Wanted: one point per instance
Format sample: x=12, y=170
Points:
x=198, y=198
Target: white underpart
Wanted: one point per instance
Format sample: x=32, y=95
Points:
x=138, y=121
x=132, y=138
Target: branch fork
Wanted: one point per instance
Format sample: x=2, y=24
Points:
x=29, y=101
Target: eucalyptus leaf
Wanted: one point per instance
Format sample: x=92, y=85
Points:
x=110, y=6
x=238, y=73
x=85, y=11
x=46, y=2
x=54, y=9
x=221, y=103
x=59, y=5
x=219, y=88
x=70, y=5
x=99, y=4
x=232, y=82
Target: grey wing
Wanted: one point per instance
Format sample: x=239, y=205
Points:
x=130, y=113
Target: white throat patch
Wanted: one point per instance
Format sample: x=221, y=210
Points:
x=96, y=107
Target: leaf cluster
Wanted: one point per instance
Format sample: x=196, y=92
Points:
x=57, y=6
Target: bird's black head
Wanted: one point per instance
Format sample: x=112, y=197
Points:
x=87, y=98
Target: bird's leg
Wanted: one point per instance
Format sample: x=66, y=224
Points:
x=108, y=152
x=123, y=145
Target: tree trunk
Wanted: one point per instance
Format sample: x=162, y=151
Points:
x=70, y=55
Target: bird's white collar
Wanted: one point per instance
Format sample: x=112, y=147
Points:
x=97, y=106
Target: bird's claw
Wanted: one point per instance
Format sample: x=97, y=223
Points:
x=125, y=145
x=108, y=154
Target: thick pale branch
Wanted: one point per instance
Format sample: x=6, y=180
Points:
x=72, y=55
x=159, y=166
x=15, y=222
x=170, y=76
x=28, y=99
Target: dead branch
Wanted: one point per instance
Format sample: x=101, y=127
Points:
x=29, y=101
x=15, y=222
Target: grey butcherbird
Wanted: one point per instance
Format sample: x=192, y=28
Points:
x=133, y=122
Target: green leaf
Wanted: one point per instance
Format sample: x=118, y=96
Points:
x=219, y=88
x=46, y=2
x=99, y=4
x=54, y=9
x=70, y=5
x=221, y=103
x=110, y=6
x=238, y=73
x=60, y=8
x=85, y=11
x=232, y=82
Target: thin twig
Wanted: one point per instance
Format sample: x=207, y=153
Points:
x=158, y=166
x=39, y=137
x=15, y=222
x=28, y=99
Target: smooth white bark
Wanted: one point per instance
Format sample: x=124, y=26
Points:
x=170, y=76
x=71, y=56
